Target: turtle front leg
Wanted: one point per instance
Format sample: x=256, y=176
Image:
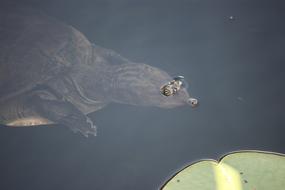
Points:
x=62, y=112
x=78, y=122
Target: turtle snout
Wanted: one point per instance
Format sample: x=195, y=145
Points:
x=193, y=102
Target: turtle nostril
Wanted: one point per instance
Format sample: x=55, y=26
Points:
x=193, y=102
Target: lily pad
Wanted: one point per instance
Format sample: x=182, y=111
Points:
x=243, y=170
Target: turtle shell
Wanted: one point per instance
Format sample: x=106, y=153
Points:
x=35, y=48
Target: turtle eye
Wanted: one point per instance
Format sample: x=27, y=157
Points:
x=166, y=90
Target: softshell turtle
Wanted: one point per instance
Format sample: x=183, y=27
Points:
x=51, y=74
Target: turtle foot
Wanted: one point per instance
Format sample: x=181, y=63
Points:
x=78, y=124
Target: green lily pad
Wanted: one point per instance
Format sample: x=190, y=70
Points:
x=243, y=170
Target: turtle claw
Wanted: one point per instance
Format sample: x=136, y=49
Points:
x=77, y=124
x=64, y=113
x=86, y=129
x=92, y=130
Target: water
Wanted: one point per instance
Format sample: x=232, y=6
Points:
x=231, y=52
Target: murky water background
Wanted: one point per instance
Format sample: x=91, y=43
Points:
x=231, y=52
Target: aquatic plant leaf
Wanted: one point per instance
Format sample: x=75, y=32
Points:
x=243, y=170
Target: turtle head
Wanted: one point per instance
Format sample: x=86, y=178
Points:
x=144, y=85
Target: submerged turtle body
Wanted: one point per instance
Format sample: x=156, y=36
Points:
x=35, y=48
x=51, y=74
